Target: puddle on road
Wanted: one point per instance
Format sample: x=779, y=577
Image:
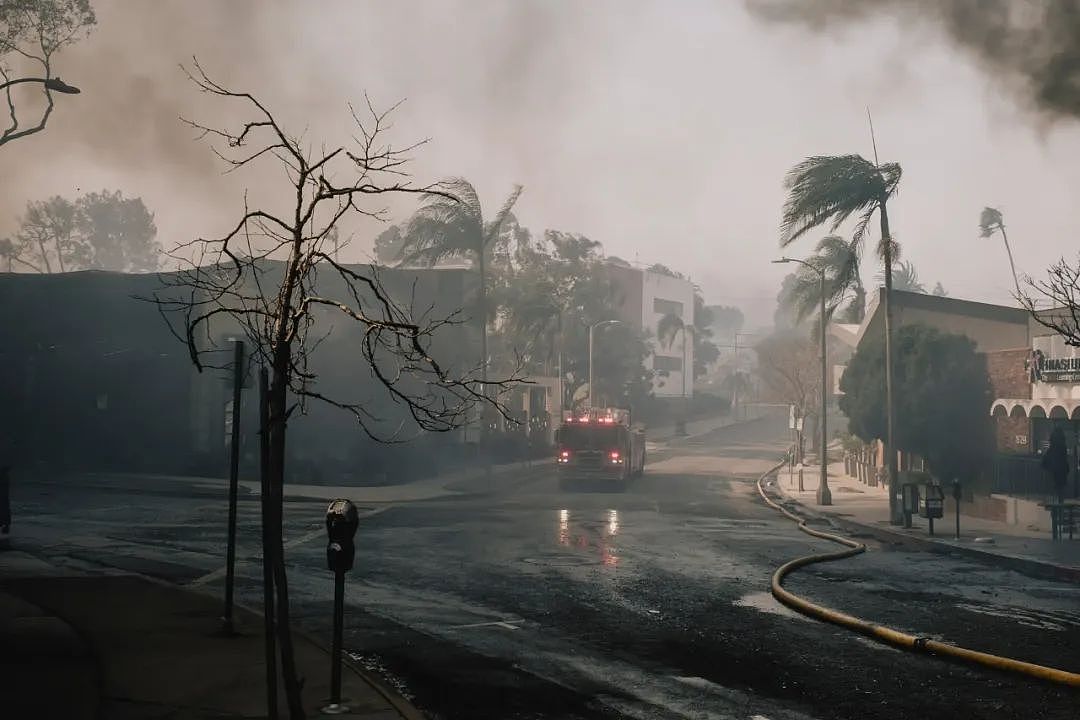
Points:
x=1029, y=618
x=766, y=603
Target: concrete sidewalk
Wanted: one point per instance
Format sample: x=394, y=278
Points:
x=865, y=509
x=108, y=644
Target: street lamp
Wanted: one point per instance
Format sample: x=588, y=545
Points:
x=592, y=328
x=824, y=496
x=53, y=83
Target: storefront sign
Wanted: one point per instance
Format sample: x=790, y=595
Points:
x=1043, y=369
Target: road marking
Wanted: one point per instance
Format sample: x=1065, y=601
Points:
x=303, y=539
x=505, y=624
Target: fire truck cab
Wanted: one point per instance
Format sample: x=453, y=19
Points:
x=599, y=444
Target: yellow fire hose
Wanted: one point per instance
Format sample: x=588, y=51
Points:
x=884, y=634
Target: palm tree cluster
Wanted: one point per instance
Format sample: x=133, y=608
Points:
x=830, y=190
x=536, y=296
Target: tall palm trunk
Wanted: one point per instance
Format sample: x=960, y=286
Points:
x=1012, y=264
x=890, y=413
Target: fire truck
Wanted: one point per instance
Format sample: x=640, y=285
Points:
x=599, y=444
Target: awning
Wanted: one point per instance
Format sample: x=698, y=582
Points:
x=1063, y=409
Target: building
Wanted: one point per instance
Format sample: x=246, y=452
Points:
x=644, y=298
x=97, y=380
x=1036, y=390
x=991, y=327
x=994, y=329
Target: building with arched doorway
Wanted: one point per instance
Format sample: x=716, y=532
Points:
x=1037, y=389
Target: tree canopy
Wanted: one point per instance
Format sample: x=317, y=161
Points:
x=31, y=33
x=98, y=231
x=942, y=398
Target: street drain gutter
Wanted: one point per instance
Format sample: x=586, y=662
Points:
x=879, y=632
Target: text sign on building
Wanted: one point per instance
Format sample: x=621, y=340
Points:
x=1053, y=369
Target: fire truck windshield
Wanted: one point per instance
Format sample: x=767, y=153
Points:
x=589, y=437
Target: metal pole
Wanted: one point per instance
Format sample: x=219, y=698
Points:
x=824, y=495
x=562, y=393
x=591, y=328
x=234, y=476
x=270, y=649
x=339, y=622
x=735, y=384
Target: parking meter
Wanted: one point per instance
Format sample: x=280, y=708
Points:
x=342, y=521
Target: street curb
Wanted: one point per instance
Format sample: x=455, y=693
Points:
x=1025, y=566
x=403, y=707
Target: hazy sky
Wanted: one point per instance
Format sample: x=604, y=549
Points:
x=662, y=129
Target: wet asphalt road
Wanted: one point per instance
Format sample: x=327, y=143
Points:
x=512, y=599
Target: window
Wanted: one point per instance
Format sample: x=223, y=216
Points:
x=667, y=364
x=667, y=307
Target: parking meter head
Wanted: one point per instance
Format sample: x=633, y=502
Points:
x=956, y=488
x=342, y=520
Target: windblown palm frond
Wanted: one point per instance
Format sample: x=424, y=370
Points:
x=492, y=229
x=668, y=328
x=989, y=221
x=905, y=277
x=449, y=223
x=843, y=283
x=830, y=189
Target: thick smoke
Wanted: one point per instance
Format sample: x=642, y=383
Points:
x=1030, y=46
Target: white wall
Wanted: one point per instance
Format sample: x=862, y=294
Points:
x=656, y=286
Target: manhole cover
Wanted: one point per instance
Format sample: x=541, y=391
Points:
x=561, y=560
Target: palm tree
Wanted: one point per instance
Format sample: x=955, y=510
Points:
x=989, y=221
x=831, y=189
x=843, y=282
x=906, y=278
x=451, y=223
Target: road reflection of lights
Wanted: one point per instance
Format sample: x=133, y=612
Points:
x=564, y=527
x=613, y=522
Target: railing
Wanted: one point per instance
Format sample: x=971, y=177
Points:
x=1021, y=475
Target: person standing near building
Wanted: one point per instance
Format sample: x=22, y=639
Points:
x=1055, y=461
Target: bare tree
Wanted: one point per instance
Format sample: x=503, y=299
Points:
x=280, y=305
x=790, y=368
x=31, y=33
x=1061, y=293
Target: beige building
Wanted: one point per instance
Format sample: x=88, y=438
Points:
x=992, y=327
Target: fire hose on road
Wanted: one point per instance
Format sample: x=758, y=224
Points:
x=878, y=632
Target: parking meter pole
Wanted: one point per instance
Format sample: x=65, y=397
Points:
x=956, y=499
x=930, y=520
x=234, y=476
x=270, y=649
x=342, y=521
x=339, y=615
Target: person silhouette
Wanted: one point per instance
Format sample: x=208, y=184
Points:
x=1055, y=461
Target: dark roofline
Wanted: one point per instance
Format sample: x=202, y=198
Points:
x=955, y=306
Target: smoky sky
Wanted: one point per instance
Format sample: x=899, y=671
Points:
x=1030, y=46
x=661, y=129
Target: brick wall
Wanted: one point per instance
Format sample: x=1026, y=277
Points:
x=1008, y=432
x=1007, y=376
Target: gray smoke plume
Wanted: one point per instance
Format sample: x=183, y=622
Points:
x=1032, y=47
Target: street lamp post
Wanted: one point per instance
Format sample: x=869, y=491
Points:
x=824, y=496
x=55, y=84
x=592, y=329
